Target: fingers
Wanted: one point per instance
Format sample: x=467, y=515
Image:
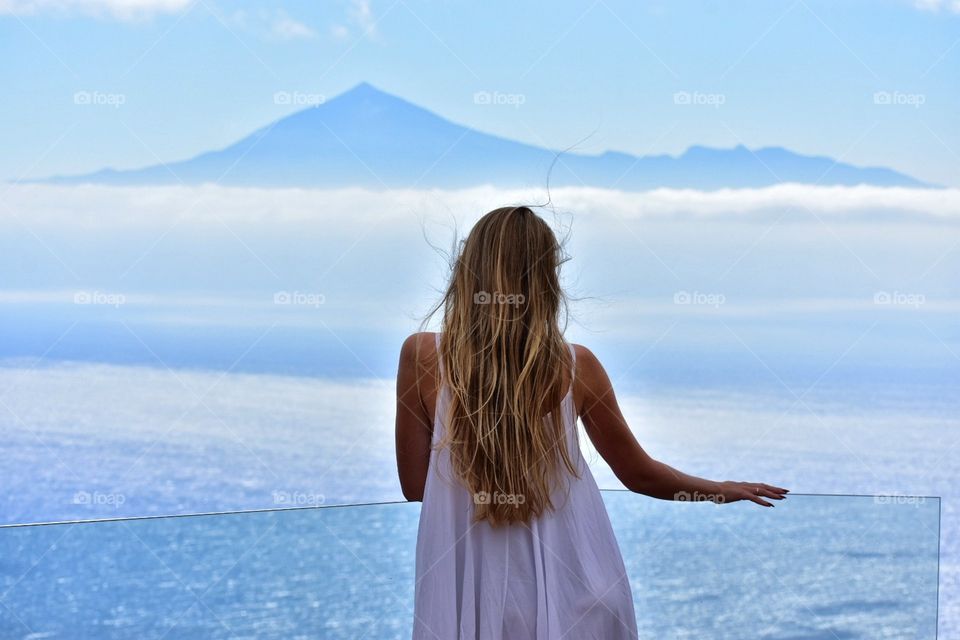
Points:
x=772, y=488
x=757, y=491
x=755, y=498
x=770, y=493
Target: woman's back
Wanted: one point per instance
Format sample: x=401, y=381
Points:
x=559, y=576
x=539, y=562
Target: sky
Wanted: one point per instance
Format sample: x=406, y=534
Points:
x=128, y=83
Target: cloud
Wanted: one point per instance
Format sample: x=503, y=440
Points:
x=271, y=25
x=99, y=205
x=801, y=199
x=359, y=16
x=286, y=28
x=213, y=241
x=952, y=6
x=119, y=9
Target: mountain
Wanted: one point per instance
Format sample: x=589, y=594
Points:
x=366, y=137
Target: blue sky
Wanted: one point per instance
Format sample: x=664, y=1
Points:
x=176, y=77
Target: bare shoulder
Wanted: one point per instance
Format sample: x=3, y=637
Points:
x=419, y=349
x=588, y=377
x=587, y=364
x=421, y=342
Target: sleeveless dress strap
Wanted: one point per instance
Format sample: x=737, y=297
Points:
x=439, y=406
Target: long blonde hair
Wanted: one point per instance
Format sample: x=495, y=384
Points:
x=504, y=356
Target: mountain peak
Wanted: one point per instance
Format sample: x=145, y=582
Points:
x=365, y=100
x=366, y=91
x=362, y=88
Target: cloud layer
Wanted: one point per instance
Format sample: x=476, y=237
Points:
x=120, y=9
x=96, y=206
x=938, y=5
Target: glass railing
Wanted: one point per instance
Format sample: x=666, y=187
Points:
x=815, y=567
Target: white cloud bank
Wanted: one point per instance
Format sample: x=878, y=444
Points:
x=120, y=9
x=105, y=206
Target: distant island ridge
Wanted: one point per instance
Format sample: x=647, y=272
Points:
x=366, y=137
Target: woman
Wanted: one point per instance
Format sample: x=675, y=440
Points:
x=514, y=540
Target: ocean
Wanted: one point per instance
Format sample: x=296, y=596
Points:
x=135, y=439
x=819, y=567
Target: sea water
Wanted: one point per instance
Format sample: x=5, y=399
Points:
x=127, y=440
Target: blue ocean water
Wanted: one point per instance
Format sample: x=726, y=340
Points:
x=190, y=420
x=817, y=567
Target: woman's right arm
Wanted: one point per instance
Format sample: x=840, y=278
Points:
x=634, y=467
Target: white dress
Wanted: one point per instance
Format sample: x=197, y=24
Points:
x=560, y=576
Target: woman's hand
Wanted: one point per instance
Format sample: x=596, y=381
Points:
x=752, y=491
